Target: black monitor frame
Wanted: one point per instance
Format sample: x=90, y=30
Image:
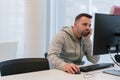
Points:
x=106, y=34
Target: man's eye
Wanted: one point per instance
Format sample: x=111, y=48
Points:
x=86, y=24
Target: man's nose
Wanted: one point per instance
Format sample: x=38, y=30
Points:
x=87, y=27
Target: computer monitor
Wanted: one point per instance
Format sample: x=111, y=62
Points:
x=106, y=34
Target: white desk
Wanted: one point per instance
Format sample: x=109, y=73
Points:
x=54, y=74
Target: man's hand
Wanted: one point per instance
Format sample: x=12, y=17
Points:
x=71, y=68
x=88, y=35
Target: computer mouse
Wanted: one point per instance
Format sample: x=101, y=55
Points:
x=78, y=72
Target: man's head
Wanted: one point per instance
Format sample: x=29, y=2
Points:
x=82, y=25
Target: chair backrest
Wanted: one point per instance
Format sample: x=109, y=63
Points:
x=46, y=54
x=23, y=65
x=115, y=10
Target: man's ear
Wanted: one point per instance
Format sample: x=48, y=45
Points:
x=75, y=24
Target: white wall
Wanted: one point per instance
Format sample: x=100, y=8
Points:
x=35, y=30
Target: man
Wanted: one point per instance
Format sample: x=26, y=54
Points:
x=71, y=44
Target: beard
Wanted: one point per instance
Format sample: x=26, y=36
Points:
x=85, y=33
x=82, y=33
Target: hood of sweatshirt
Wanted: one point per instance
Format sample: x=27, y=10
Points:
x=69, y=31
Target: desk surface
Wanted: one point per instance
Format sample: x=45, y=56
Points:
x=54, y=74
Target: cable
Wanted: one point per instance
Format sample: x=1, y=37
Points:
x=113, y=59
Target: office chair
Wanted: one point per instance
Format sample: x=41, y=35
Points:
x=23, y=65
x=115, y=10
x=46, y=54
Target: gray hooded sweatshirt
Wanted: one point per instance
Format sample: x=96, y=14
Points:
x=66, y=48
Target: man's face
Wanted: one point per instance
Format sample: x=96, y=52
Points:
x=83, y=26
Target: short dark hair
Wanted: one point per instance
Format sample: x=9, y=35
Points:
x=77, y=18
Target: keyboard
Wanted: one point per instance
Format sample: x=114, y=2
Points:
x=95, y=67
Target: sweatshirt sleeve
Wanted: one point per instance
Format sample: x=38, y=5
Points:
x=55, y=50
x=92, y=58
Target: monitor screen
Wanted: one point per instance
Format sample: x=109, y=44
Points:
x=105, y=29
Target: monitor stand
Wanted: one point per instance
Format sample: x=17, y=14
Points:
x=114, y=71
